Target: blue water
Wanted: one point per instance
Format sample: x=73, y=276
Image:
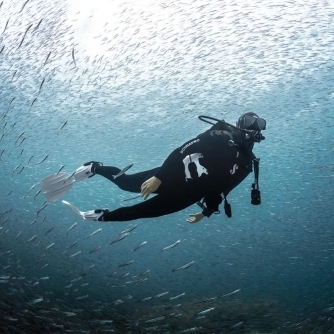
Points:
x=142, y=72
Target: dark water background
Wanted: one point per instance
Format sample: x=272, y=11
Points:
x=141, y=74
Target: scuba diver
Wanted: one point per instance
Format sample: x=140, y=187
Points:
x=203, y=170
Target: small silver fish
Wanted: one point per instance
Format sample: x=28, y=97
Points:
x=70, y=314
x=18, y=235
x=126, y=263
x=70, y=176
x=60, y=169
x=71, y=228
x=24, y=34
x=47, y=58
x=142, y=274
x=2, y=153
x=20, y=171
x=31, y=188
x=38, y=25
x=20, y=135
x=95, y=250
x=121, y=237
x=205, y=311
x=74, y=243
x=122, y=171
x=141, y=245
x=13, y=75
x=51, y=245
x=24, y=6
x=49, y=230
x=161, y=294
x=32, y=103
x=33, y=222
x=38, y=192
x=155, y=319
x=131, y=198
x=61, y=127
x=147, y=298
x=90, y=267
x=122, y=277
x=76, y=279
x=6, y=26
x=73, y=58
x=184, y=266
x=69, y=274
x=231, y=293
x=189, y=330
x=15, y=169
x=38, y=163
x=20, y=153
x=178, y=296
x=95, y=232
x=172, y=245
x=40, y=87
x=237, y=324
x=82, y=297
x=129, y=229
x=75, y=254
x=42, y=208
x=35, y=301
x=30, y=159
x=32, y=238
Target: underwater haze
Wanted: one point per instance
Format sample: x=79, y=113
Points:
x=124, y=82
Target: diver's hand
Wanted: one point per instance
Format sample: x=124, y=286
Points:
x=195, y=217
x=149, y=186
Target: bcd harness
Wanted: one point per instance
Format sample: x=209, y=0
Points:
x=255, y=193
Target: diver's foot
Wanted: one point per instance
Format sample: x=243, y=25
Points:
x=96, y=215
x=86, y=171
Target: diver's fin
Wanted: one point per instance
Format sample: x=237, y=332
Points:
x=83, y=173
x=86, y=171
x=56, y=185
x=74, y=209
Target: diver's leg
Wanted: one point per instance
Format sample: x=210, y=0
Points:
x=130, y=183
x=157, y=206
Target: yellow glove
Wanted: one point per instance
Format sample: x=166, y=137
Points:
x=149, y=186
x=195, y=218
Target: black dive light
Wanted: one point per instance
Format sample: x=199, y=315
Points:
x=255, y=195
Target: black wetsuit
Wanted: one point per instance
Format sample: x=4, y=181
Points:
x=206, y=167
